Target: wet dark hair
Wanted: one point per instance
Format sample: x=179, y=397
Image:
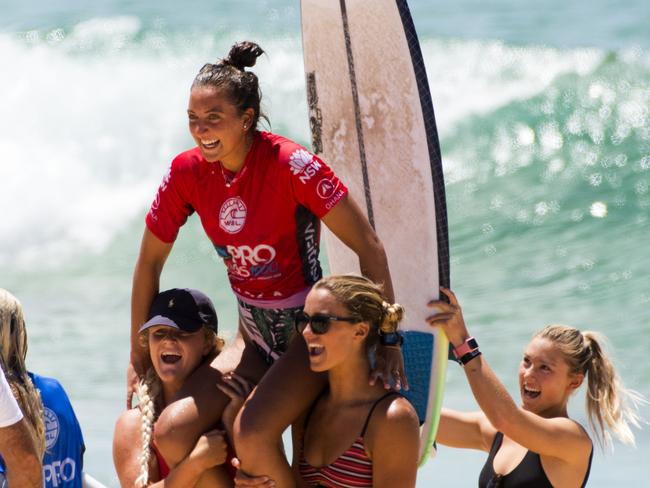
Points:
x=241, y=86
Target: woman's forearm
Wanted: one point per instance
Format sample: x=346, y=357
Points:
x=373, y=264
x=146, y=282
x=146, y=279
x=491, y=395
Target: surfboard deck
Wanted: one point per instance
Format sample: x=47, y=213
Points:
x=372, y=120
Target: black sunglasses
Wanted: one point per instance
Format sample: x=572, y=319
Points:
x=319, y=323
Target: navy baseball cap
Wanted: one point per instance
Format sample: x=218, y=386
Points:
x=182, y=308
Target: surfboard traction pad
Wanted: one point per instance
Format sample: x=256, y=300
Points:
x=418, y=354
x=418, y=350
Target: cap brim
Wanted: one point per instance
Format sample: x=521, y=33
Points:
x=158, y=320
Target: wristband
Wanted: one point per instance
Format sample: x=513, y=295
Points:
x=391, y=339
x=468, y=357
x=467, y=346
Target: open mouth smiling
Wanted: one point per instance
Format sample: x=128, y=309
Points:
x=170, y=357
x=530, y=392
x=315, y=350
x=209, y=144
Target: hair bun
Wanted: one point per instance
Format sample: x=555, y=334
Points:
x=392, y=316
x=243, y=55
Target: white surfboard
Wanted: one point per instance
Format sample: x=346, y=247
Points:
x=90, y=482
x=372, y=120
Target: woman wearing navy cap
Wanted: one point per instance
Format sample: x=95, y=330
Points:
x=180, y=333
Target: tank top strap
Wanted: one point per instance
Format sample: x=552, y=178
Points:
x=496, y=444
x=372, y=409
x=591, y=457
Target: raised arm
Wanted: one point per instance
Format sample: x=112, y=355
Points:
x=146, y=283
x=19, y=452
x=350, y=225
x=559, y=437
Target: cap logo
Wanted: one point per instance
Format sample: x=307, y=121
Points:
x=171, y=303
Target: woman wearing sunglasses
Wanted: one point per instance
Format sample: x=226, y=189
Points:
x=354, y=434
x=536, y=444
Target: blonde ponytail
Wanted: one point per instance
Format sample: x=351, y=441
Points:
x=148, y=390
x=611, y=408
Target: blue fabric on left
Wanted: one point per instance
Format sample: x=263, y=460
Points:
x=64, y=444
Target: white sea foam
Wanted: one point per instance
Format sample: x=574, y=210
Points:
x=477, y=77
x=91, y=118
x=83, y=139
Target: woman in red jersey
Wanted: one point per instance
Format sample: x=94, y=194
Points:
x=260, y=198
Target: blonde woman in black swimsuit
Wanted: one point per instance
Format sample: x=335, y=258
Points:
x=536, y=444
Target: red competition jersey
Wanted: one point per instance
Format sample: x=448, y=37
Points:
x=264, y=221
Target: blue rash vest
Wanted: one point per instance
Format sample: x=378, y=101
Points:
x=64, y=444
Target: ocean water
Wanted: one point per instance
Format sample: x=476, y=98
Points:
x=543, y=112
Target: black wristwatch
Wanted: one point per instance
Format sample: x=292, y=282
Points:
x=391, y=339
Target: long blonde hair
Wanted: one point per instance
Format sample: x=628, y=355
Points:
x=365, y=300
x=13, y=350
x=611, y=408
x=149, y=401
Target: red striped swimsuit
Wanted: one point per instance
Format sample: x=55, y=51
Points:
x=352, y=469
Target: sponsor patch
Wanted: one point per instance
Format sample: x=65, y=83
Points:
x=326, y=188
x=166, y=178
x=250, y=262
x=60, y=473
x=232, y=215
x=335, y=199
x=304, y=165
x=51, y=427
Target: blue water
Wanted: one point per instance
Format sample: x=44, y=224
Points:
x=543, y=112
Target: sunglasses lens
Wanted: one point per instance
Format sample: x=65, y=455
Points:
x=320, y=325
x=301, y=321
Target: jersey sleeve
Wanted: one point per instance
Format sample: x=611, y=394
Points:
x=171, y=207
x=314, y=184
x=10, y=412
